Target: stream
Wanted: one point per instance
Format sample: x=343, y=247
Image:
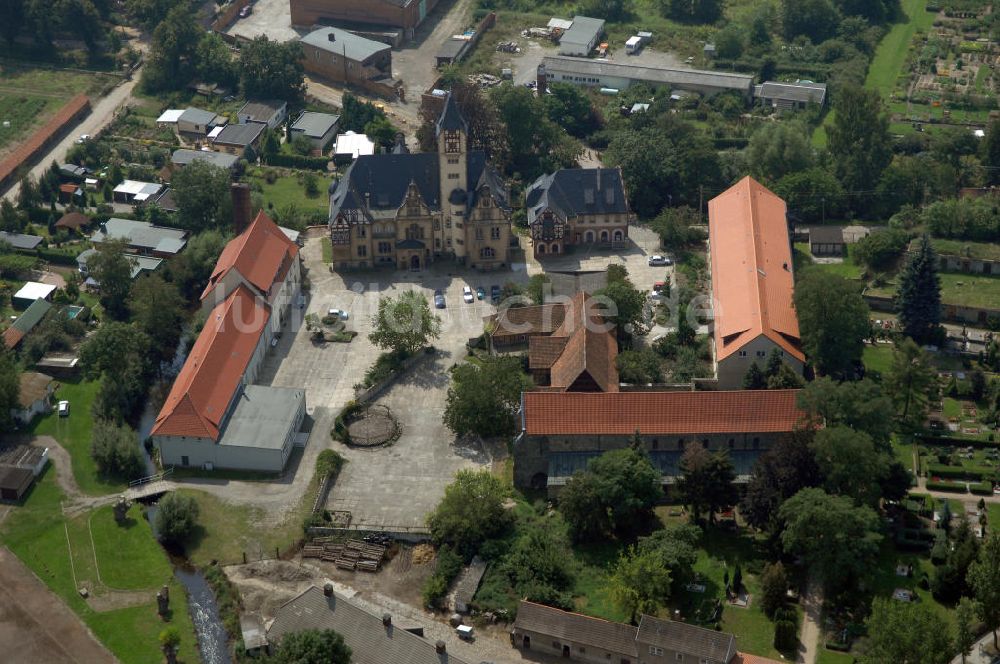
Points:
x=213, y=642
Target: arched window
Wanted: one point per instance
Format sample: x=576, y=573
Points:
x=618, y=236
x=555, y=248
x=487, y=252
x=541, y=247
x=589, y=236
x=604, y=236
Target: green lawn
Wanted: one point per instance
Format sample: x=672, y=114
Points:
x=970, y=290
x=128, y=556
x=289, y=190
x=982, y=250
x=847, y=269
x=327, y=245
x=37, y=533
x=825, y=656
x=877, y=358
x=73, y=433
x=226, y=531
x=890, y=56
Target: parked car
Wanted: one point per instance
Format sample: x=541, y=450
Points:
x=339, y=313
x=467, y=295
x=495, y=293
x=63, y=409
x=83, y=139
x=480, y=293
x=246, y=11
x=439, y=299
x=658, y=260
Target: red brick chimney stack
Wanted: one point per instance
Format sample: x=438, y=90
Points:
x=241, y=206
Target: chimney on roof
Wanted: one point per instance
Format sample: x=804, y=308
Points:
x=541, y=80
x=328, y=589
x=332, y=37
x=240, y=192
x=439, y=647
x=387, y=619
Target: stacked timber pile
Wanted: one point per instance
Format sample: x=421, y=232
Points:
x=352, y=554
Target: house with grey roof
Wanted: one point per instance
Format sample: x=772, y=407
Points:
x=183, y=157
x=782, y=95
x=20, y=241
x=136, y=191
x=319, y=128
x=410, y=209
x=577, y=207
x=139, y=265
x=271, y=112
x=551, y=631
x=373, y=639
x=619, y=76
x=238, y=138
x=582, y=36
x=198, y=122
x=344, y=57
x=142, y=237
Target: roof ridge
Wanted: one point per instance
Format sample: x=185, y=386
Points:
x=758, y=257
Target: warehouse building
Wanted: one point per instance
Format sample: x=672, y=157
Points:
x=613, y=75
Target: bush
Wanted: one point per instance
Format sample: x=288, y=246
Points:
x=786, y=632
x=954, y=472
x=176, y=518
x=982, y=488
x=955, y=487
x=297, y=161
x=226, y=597
x=387, y=364
x=449, y=564
x=116, y=451
x=328, y=462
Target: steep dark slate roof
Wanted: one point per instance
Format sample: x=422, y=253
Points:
x=574, y=191
x=451, y=118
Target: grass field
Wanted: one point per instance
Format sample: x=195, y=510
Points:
x=959, y=289
x=29, y=97
x=890, y=56
x=327, y=245
x=226, y=531
x=981, y=250
x=39, y=534
x=825, y=656
x=73, y=433
x=877, y=358
x=288, y=189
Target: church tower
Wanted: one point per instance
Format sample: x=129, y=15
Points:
x=453, y=151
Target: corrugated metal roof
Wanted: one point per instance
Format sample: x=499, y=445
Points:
x=659, y=75
x=344, y=43
x=315, y=125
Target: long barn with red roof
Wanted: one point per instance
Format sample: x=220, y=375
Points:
x=214, y=415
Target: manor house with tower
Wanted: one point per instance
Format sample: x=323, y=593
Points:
x=406, y=210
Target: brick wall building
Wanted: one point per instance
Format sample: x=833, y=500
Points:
x=404, y=14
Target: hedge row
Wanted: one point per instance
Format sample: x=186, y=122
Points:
x=297, y=161
x=953, y=472
x=951, y=441
x=982, y=488
x=58, y=256
x=955, y=487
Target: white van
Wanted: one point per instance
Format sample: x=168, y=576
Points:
x=633, y=45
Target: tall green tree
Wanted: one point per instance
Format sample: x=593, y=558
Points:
x=639, y=583
x=860, y=405
x=919, y=295
x=833, y=321
x=984, y=579
x=615, y=495
x=540, y=566
x=781, y=472
x=158, y=310
x=706, y=481
x=779, y=148
x=837, y=539
x=965, y=624
x=191, y=269
x=910, y=383
x=773, y=588
x=171, y=52
x=859, y=139
x=484, y=398
x=851, y=463
x=537, y=145
x=676, y=546
x=311, y=646
x=201, y=191
x=404, y=324
x=628, y=313
x=692, y=11
x=910, y=632
x=272, y=70
x=991, y=152
x=111, y=267
x=115, y=450
x=119, y=353
x=214, y=61
x=471, y=512
x=10, y=388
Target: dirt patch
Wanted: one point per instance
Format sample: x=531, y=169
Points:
x=422, y=554
x=43, y=628
x=119, y=599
